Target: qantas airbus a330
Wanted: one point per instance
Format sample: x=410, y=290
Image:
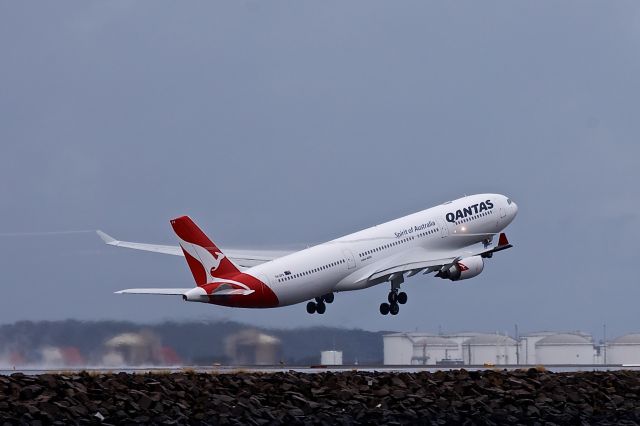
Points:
x=451, y=240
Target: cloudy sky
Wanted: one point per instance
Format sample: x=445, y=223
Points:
x=289, y=123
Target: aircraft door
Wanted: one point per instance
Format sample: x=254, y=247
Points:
x=444, y=229
x=351, y=261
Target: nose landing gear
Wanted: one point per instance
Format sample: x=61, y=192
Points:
x=320, y=305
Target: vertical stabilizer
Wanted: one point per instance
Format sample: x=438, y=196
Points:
x=205, y=259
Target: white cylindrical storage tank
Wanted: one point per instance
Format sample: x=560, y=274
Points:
x=398, y=349
x=528, y=346
x=565, y=348
x=331, y=358
x=624, y=350
x=489, y=349
x=433, y=349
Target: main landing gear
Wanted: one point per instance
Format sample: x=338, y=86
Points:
x=320, y=305
x=395, y=298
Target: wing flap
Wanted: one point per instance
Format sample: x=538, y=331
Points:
x=412, y=267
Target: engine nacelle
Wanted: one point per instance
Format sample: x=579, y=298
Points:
x=463, y=269
x=196, y=294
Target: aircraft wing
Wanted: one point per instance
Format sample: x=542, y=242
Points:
x=108, y=239
x=418, y=259
x=245, y=258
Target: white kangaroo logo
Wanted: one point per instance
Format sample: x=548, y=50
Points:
x=210, y=262
x=217, y=256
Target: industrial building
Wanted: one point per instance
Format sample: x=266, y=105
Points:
x=331, y=358
x=565, y=348
x=419, y=349
x=460, y=348
x=433, y=349
x=490, y=349
x=538, y=348
x=624, y=350
x=252, y=347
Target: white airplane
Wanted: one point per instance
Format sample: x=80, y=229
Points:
x=451, y=239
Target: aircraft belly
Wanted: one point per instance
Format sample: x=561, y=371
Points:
x=355, y=281
x=290, y=293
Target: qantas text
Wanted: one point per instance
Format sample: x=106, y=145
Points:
x=469, y=211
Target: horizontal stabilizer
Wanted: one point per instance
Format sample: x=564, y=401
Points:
x=163, y=291
x=233, y=292
x=224, y=291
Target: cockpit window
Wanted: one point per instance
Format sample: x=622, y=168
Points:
x=509, y=201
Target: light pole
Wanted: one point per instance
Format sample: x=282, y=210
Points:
x=604, y=344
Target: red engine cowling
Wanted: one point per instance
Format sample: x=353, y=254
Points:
x=463, y=269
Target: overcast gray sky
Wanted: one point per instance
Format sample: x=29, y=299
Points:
x=278, y=123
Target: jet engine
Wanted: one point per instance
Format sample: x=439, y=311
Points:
x=463, y=269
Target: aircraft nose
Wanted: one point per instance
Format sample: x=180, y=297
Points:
x=512, y=208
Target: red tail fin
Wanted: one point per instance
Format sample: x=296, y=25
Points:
x=205, y=259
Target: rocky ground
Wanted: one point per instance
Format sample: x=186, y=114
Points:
x=447, y=397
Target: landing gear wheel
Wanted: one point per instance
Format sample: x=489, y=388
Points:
x=402, y=298
x=394, y=309
x=328, y=297
x=392, y=298
x=311, y=307
x=384, y=308
x=321, y=308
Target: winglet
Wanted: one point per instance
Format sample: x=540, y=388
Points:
x=503, y=244
x=502, y=241
x=108, y=239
